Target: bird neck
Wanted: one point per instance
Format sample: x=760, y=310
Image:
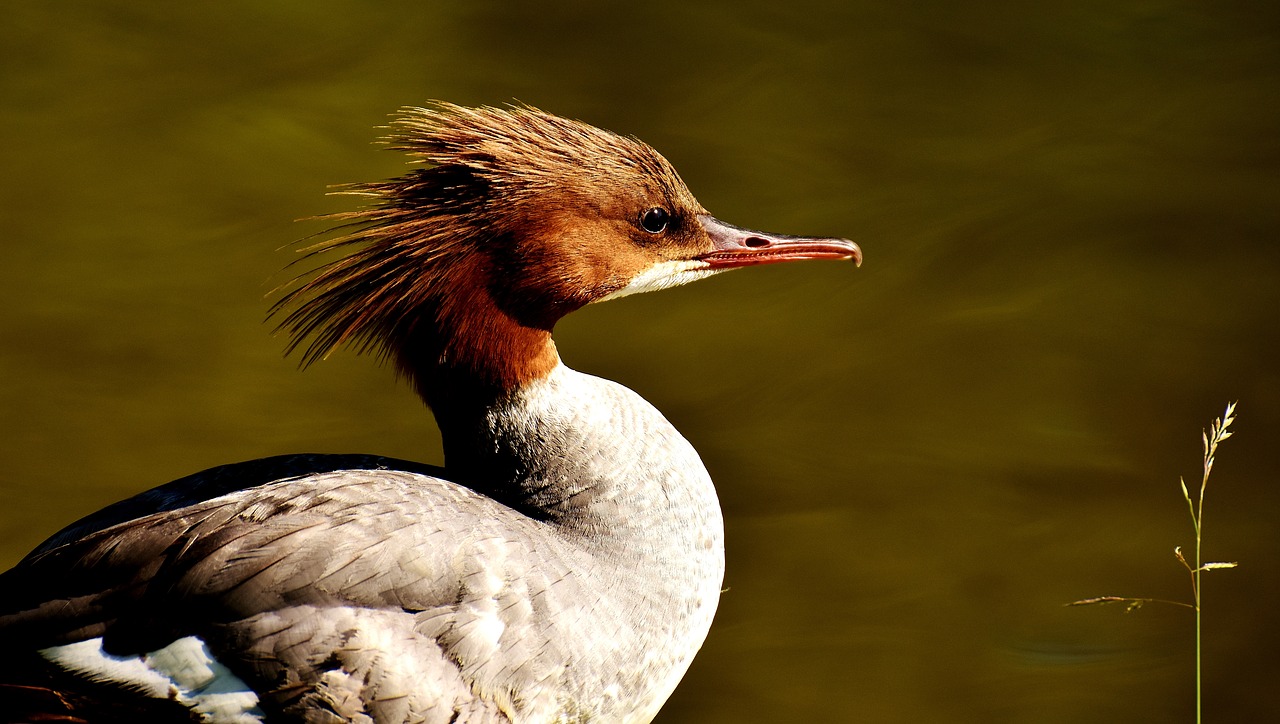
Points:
x=584, y=453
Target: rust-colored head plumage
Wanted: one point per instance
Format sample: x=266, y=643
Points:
x=470, y=234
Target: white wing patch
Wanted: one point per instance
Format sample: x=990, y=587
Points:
x=663, y=275
x=184, y=670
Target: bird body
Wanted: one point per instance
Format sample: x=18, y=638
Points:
x=565, y=564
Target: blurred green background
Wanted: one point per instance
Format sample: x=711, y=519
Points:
x=1069, y=212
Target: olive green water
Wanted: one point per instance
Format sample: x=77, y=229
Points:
x=1070, y=214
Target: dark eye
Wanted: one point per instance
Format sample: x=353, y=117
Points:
x=655, y=220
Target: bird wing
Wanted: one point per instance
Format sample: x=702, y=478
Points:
x=345, y=588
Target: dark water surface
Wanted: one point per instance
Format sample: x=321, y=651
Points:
x=1070, y=214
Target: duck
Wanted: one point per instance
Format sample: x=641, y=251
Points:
x=565, y=563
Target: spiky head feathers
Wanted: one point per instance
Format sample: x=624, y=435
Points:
x=514, y=212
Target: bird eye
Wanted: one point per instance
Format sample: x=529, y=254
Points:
x=655, y=220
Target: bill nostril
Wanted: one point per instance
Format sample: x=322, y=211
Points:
x=756, y=242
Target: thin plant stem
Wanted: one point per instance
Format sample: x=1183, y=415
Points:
x=1219, y=433
x=1211, y=439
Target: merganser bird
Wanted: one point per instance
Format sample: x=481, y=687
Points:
x=563, y=566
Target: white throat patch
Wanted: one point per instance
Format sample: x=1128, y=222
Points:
x=663, y=275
